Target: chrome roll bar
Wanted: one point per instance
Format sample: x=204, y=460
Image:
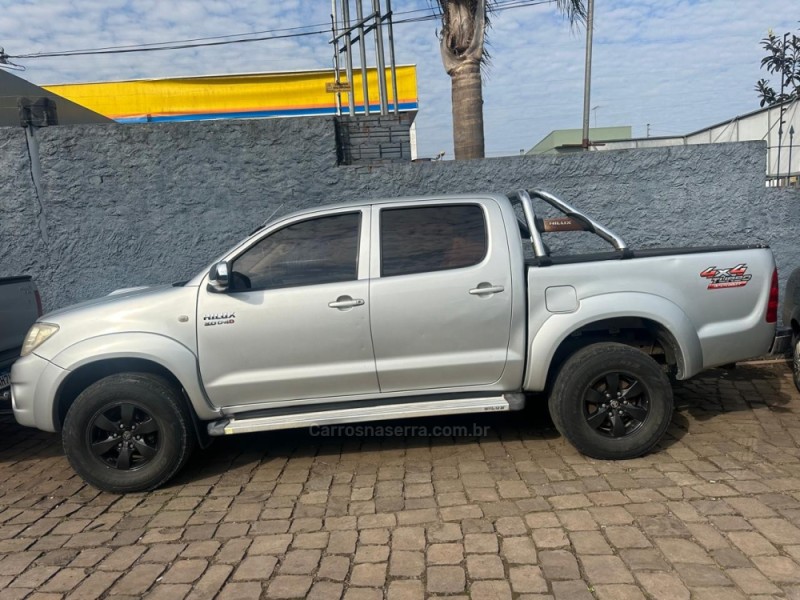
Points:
x=535, y=227
x=530, y=219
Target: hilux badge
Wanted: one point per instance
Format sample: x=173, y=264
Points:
x=219, y=319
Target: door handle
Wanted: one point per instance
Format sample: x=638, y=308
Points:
x=486, y=288
x=344, y=302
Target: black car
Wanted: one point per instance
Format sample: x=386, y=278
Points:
x=791, y=318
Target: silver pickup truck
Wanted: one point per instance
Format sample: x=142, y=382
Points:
x=20, y=306
x=391, y=309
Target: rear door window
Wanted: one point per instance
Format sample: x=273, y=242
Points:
x=432, y=238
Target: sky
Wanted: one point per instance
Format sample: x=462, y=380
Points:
x=678, y=65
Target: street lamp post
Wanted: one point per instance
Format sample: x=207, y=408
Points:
x=791, y=143
x=587, y=77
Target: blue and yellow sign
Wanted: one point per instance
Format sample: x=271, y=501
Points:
x=247, y=96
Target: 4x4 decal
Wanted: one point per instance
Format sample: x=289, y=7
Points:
x=726, y=278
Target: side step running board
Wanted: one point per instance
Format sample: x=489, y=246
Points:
x=359, y=414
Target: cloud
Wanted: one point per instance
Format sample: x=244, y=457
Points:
x=678, y=65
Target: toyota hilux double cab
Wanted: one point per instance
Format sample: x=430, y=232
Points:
x=389, y=309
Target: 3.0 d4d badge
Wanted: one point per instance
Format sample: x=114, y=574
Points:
x=220, y=319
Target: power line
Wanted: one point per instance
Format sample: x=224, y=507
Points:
x=223, y=40
x=160, y=48
x=198, y=39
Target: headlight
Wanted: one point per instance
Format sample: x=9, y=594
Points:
x=37, y=335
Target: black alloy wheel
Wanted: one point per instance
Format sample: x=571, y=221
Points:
x=124, y=436
x=616, y=404
x=128, y=432
x=611, y=401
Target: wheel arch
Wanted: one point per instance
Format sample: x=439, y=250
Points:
x=95, y=358
x=639, y=318
x=87, y=374
x=794, y=323
x=646, y=334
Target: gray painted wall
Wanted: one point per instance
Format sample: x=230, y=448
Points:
x=125, y=205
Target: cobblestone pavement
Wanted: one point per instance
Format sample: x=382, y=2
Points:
x=713, y=513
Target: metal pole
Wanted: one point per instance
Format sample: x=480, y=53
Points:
x=336, y=57
x=363, y=52
x=351, y=101
x=780, y=108
x=587, y=76
x=791, y=142
x=392, y=62
x=376, y=9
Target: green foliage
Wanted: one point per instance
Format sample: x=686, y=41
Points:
x=783, y=60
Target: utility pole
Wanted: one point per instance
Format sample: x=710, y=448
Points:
x=363, y=54
x=336, y=57
x=392, y=61
x=351, y=93
x=344, y=28
x=376, y=9
x=587, y=78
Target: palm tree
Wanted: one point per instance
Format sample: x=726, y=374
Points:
x=463, y=36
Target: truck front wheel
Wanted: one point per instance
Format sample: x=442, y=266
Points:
x=128, y=432
x=611, y=401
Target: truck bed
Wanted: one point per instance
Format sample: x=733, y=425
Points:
x=715, y=297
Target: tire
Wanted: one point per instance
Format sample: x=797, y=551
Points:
x=636, y=385
x=796, y=360
x=140, y=410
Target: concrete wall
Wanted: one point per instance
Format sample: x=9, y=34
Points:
x=141, y=204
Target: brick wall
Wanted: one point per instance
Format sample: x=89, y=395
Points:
x=374, y=139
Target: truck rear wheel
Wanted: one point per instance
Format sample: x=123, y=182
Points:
x=611, y=401
x=128, y=432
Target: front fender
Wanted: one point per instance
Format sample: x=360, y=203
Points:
x=159, y=349
x=558, y=327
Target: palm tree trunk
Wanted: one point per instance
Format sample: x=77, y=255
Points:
x=462, y=39
x=467, y=97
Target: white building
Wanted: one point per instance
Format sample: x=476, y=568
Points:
x=762, y=124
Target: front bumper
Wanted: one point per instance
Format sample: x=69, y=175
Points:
x=34, y=382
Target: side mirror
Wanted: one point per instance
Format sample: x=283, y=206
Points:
x=219, y=278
